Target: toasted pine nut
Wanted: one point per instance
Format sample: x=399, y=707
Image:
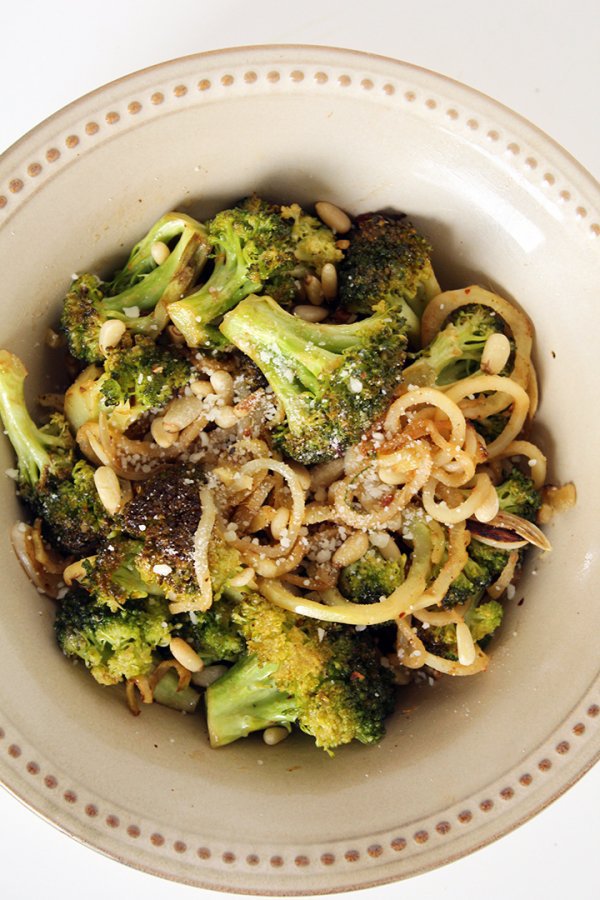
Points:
x=314, y=290
x=279, y=522
x=275, y=734
x=182, y=412
x=329, y=281
x=111, y=333
x=225, y=417
x=185, y=655
x=488, y=508
x=108, y=487
x=162, y=437
x=201, y=388
x=343, y=244
x=495, y=353
x=351, y=550
x=159, y=252
x=464, y=644
x=334, y=217
x=74, y=572
x=243, y=578
x=93, y=436
x=222, y=383
x=311, y=313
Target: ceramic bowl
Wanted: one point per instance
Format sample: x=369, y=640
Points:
x=464, y=761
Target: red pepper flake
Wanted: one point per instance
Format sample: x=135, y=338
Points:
x=385, y=501
x=467, y=290
x=357, y=676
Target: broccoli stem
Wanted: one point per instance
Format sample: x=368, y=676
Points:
x=246, y=699
x=166, y=693
x=28, y=442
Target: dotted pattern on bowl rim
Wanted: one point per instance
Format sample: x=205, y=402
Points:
x=206, y=88
x=406, y=839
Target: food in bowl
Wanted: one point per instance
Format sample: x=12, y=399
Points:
x=288, y=472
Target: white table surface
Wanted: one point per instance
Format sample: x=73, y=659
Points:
x=540, y=58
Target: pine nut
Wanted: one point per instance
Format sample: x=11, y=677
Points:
x=110, y=334
x=201, y=388
x=279, y=523
x=225, y=417
x=243, y=578
x=182, y=412
x=311, y=313
x=334, y=217
x=159, y=252
x=465, y=645
x=275, y=734
x=314, y=290
x=108, y=487
x=329, y=281
x=262, y=519
x=222, y=383
x=488, y=508
x=93, y=436
x=351, y=550
x=495, y=353
x=162, y=437
x=343, y=244
x=185, y=655
x=74, y=572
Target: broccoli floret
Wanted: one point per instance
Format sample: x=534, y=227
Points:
x=329, y=680
x=113, y=645
x=469, y=586
x=387, y=260
x=371, y=577
x=111, y=576
x=314, y=242
x=213, y=634
x=59, y=487
x=482, y=620
x=491, y=427
x=455, y=352
x=518, y=495
x=142, y=286
x=488, y=558
x=333, y=381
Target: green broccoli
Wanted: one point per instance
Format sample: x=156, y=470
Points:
x=329, y=680
x=371, y=577
x=482, y=620
x=213, y=634
x=111, y=576
x=314, y=242
x=487, y=557
x=469, y=586
x=517, y=495
x=142, y=286
x=113, y=645
x=387, y=260
x=58, y=487
x=492, y=426
x=333, y=381
x=134, y=381
x=456, y=351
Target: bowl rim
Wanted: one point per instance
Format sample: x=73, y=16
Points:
x=586, y=184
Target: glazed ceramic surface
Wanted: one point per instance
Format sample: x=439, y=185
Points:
x=464, y=761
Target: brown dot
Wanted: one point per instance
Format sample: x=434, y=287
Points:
x=227, y=80
x=565, y=196
x=134, y=107
x=302, y=861
x=180, y=90
x=52, y=154
x=579, y=729
x=2, y=731
x=544, y=765
x=443, y=827
x=452, y=113
x=276, y=862
x=595, y=229
x=321, y=77
x=203, y=853
x=493, y=135
x=92, y=128
x=327, y=859
x=430, y=103
x=252, y=859
x=351, y=855
x=465, y=816
x=133, y=831
x=389, y=89
x=228, y=857
x=112, y=118
x=410, y=96
x=157, y=98
x=526, y=779
x=473, y=124
x=179, y=847
x=15, y=186
x=563, y=747
x=72, y=141
x=157, y=839
x=549, y=178
x=513, y=148
x=375, y=850
x=113, y=821
x=273, y=77
x=50, y=782
x=486, y=805
x=34, y=170
x=507, y=793
x=70, y=796
x=33, y=768
x=14, y=750
x=421, y=837
x=91, y=810
x=344, y=81
x=250, y=77
x=531, y=163
x=297, y=75
x=204, y=84
x=367, y=84
x=398, y=844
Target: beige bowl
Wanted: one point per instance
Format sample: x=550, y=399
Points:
x=464, y=761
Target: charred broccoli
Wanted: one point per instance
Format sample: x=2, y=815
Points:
x=371, y=577
x=518, y=495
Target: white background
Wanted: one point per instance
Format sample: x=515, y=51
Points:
x=540, y=58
